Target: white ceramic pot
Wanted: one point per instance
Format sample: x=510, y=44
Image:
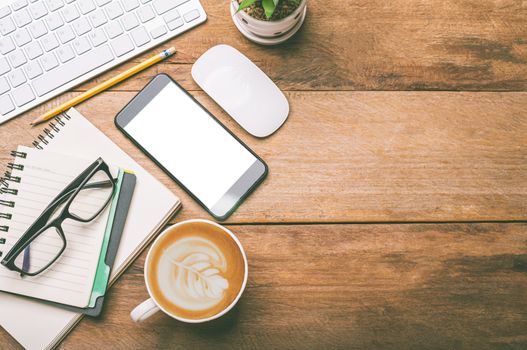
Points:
x=268, y=32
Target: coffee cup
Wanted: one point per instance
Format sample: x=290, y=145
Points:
x=195, y=271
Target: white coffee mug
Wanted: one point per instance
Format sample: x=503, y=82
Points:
x=149, y=307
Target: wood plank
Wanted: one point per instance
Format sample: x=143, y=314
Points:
x=364, y=156
x=376, y=45
x=364, y=286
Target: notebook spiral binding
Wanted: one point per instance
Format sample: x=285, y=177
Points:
x=5, y=181
x=49, y=133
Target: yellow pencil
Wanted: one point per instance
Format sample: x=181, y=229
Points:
x=103, y=86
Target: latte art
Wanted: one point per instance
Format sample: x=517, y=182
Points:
x=196, y=270
x=196, y=266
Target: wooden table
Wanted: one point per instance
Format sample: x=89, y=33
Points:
x=394, y=215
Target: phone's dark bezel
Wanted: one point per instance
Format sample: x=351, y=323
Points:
x=143, y=97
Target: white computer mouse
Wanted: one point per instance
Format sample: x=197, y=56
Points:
x=241, y=89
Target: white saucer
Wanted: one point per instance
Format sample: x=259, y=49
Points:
x=267, y=41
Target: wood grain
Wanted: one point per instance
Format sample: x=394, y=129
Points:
x=375, y=45
x=348, y=287
x=350, y=156
x=366, y=156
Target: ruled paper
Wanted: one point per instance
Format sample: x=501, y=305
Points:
x=70, y=279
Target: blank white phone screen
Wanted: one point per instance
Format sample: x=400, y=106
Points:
x=190, y=144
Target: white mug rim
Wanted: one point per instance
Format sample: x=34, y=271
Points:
x=238, y=296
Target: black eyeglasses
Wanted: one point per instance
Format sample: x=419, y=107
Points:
x=44, y=241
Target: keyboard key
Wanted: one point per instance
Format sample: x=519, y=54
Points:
x=86, y=6
x=16, y=77
x=73, y=69
x=17, y=58
x=37, y=29
x=4, y=11
x=65, y=53
x=33, y=69
x=114, y=29
x=6, y=45
x=158, y=31
x=65, y=34
x=22, y=18
x=114, y=10
x=162, y=6
x=97, y=37
x=129, y=5
x=140, y=36
x=49, y=42
x=6, y=104
x=38, y=10
x=130, y=21
x=23, y=95
x=146, y=13
x=81, y=45
x=81, y=26
x=178, y=22
x=22, y=37
x=54, y=21
x=102, y=2
x=171, y=15
x=122, y=45
x=4, y=86
x=191, y=15
x=97, y=18
x=70, y=13
x=33, y=50
x=4, y=65
x=17, y=5
x=7, y=25
x=54, y=5
x=49, y=61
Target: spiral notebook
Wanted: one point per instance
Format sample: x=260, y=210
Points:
x=34, y=179
x=37, y=325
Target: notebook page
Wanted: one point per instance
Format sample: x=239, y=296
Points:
x=70, y=279
x=151, y=205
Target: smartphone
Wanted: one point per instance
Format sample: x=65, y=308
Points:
x=191, y=146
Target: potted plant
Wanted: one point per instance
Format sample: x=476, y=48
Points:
x=268, y=22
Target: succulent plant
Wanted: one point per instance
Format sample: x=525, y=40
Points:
x=268, y=5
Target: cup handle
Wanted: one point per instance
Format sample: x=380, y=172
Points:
x=144, y=310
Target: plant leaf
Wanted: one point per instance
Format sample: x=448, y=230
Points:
x=269, y=7
x=244, y=4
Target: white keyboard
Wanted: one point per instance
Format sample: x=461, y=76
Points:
x=50, y=46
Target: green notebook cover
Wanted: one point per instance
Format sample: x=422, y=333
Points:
x=103, y=271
